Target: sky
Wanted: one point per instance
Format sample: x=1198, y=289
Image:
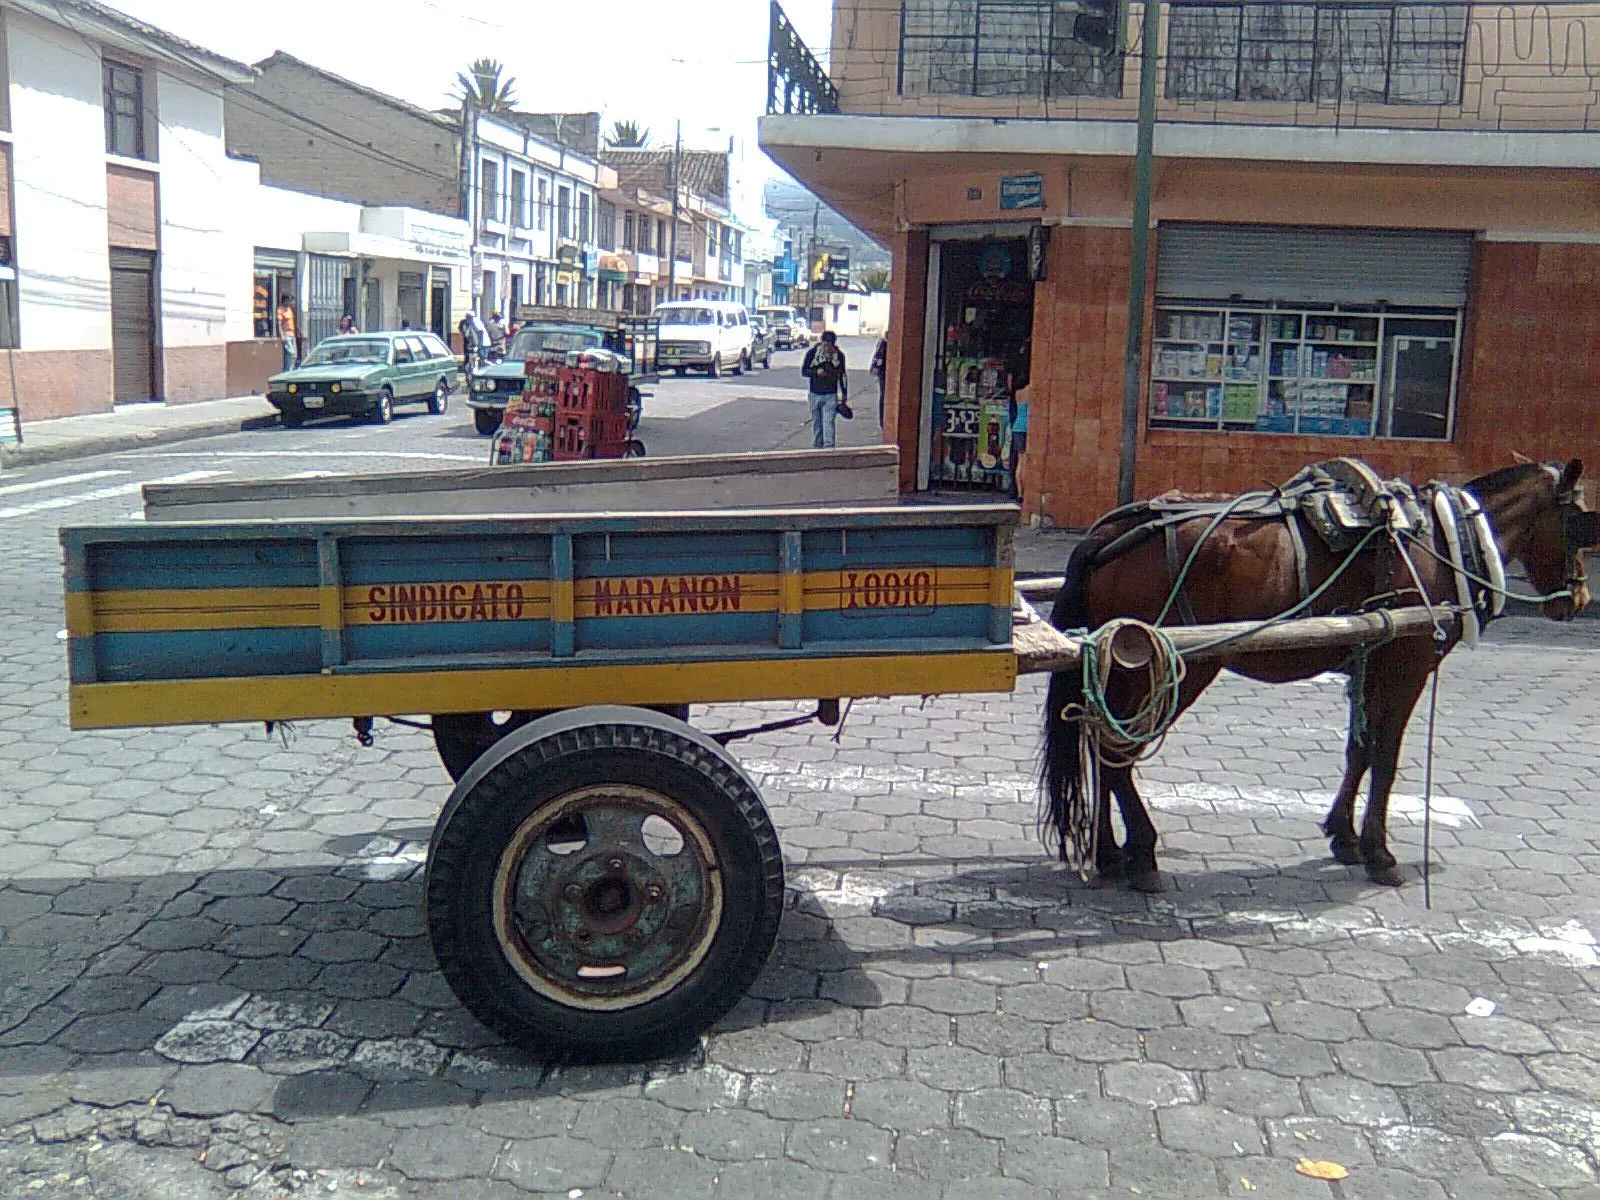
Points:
x=701, y=61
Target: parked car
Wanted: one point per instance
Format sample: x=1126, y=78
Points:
x=789, y=328
x=493, y=384
x=365, y=374
x=709, y=335
x=762, y=342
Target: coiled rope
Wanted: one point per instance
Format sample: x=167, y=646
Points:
x=1107, y=739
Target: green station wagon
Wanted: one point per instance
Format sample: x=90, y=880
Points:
x=365, y=373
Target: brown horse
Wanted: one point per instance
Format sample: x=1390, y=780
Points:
x=1248, y=569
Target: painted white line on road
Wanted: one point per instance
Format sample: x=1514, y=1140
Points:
x=60, y=481
x=214, y=455
x=107, y=493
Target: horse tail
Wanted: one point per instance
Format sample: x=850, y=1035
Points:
x=1062, y=780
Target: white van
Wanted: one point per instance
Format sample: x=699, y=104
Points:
x=712, y=335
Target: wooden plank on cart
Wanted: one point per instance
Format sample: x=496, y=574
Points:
x=865, y=475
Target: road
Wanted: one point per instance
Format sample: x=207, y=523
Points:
x=214, y=980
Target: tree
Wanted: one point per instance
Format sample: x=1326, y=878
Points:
x=876, y=279
x=483, y=83
x=628, y=135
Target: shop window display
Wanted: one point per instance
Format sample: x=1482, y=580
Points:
x=1340, y=373
x=986, y=311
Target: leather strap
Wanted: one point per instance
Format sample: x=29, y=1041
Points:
x=1174, y=566
x=1297, y=537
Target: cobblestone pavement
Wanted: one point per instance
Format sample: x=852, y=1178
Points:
x=214, y=980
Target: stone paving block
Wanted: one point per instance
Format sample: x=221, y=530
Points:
x=841, y=1145
x=218, y=1088
x=1150, y=1084
x=1005, y=1114
x=338, y=1142
x=1538, y=1160
x=947, y=1155
x=445, y=1154
x=733, y=1135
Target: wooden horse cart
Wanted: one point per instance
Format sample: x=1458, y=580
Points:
x=603, y=881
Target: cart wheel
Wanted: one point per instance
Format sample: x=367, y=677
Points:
x=634, y=449
x=604, y=886
x=486, y=420
x=635, y=408
x=461, y=738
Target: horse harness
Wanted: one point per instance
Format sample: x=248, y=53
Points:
x=1342, y=502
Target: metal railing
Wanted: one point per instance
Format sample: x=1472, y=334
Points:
x=796, y=82
x=1515, y=65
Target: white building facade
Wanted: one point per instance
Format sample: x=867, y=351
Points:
x=535, y=211
x=117, y=267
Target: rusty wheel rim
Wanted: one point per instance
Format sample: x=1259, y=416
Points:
x=607, y=897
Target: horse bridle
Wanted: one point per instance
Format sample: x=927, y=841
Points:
x=1580, y=531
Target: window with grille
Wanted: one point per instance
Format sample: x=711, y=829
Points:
x=9, y=339
x=1330, y=51
x=564, y=212
x=124, y=102
x=519, y=199
x=1022, y=48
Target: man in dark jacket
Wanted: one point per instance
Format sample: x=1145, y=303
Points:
x=824, y=366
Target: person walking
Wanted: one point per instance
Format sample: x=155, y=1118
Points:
x=824, y=366
x=286, y=331
x=468, y=350
x=880, y=364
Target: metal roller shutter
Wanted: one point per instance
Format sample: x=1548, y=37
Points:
x=133, y=325
x=1314, y=266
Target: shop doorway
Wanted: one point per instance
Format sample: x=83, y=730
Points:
x=439, y=308
x=981, y=351
x=133, y=326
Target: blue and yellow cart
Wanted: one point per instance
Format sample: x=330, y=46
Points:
x=603, y=881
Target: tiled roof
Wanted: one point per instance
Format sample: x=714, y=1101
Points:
x=704, y=172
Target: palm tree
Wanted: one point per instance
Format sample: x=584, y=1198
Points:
x=483, y=83
x=628, y=135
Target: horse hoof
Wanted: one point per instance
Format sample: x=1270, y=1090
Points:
x=1346, y=851
x=1148, y=882
x=1390, y=876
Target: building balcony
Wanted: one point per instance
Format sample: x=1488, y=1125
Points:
x=1449, y=82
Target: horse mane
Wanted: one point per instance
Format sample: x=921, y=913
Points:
x=1504, y=478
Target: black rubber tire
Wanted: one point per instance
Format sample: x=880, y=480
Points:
x=486, y=420
x=634, y=449
x=538, y=766
x=739, y=367
x=292, y=418
x=383, y=407
x=680, y=372
x=462, y=738
x=439, y=401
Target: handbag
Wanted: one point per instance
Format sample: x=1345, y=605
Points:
x=844, y=410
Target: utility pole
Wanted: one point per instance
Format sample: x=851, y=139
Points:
x=672, y=262
x=811, y=266
x=1149, y=64
x=469, y=175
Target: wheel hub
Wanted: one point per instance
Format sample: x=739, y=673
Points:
x=605, y=910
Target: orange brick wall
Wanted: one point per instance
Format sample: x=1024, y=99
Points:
x=1530, y=382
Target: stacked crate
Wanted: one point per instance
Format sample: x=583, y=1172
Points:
x=591, y=414
x=527, y=432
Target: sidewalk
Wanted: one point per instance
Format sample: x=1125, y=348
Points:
x=133, y=425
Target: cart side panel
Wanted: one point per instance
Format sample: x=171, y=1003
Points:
x=226, y=621
x=409, y=598
x=676, y=592
x=176, y=609
x=905, y=585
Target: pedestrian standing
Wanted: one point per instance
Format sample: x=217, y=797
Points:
x=347, y=325
x=880, y=364
x=497, y=336
x=824, y=366
x=286, y=331
x=480, y=338
x=1019, y=438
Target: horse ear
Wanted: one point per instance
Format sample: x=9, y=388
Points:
x=1519, y=458
x=1570, y=476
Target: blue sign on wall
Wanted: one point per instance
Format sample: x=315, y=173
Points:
x=1021, y=191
